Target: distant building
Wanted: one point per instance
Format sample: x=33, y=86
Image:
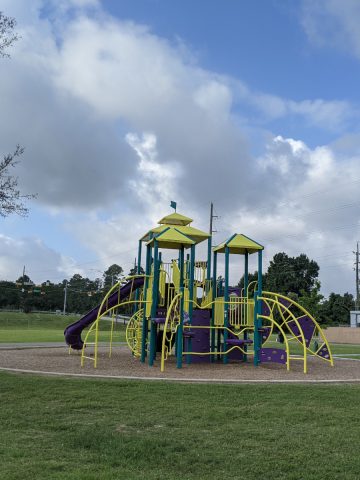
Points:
x=355, y=318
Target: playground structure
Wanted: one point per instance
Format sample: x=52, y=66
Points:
x=182, y=308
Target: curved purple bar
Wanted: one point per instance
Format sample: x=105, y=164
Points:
x=73, y=332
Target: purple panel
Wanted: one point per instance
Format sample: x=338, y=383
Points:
x=265, y=332
x=239, y=341
x=265, y=310
x=235, y=355
x=158, y=320
x=275, y=355
x=233, y=340
x=235, y=290
x=324, y=352
x=200, y=341
x=284, y=302
x=307, y=326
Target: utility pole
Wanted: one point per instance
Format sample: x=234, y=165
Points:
x=211, y=231
x=65, y=297
x=357, y=276
x=23, y=279
x=212, y=216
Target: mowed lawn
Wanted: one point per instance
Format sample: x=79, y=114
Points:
x=60, y=428
x=42, y=327
x=18, y=327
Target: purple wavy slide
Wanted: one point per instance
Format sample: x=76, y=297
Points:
x=73, y=332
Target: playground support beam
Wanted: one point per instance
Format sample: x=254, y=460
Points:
x=214, y=294
x=155, y=289
x=208, y=271
x=257, y=312
x=145, y=320
x=246, y=300
x=139, y=258
x=226, y=305
x=179, y=336
x=138, y=270
x=191, y=296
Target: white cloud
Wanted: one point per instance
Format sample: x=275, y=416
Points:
x=330, y=23
x=117, y=121
x=316, y=211
x=41, y=262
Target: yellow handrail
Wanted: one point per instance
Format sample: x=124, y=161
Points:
x=302, y=309
x=294, y=319
x=172, y=307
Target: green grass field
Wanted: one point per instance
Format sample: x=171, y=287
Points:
x=70, y=429
x=17, y=327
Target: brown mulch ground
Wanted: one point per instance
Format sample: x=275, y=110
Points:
x=123, y=364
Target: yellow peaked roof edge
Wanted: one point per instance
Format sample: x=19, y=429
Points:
x=194, y=233
x=175, y=219
x=239, y=243
x=171, y=238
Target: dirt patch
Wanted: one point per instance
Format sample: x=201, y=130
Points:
x=123, y=364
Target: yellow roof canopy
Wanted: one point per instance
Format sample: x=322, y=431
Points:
x=194, y=234
x=239, y=244
x=175, y=219
x=171, y=238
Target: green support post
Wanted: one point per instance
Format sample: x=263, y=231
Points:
x=208, y=271
x=256, y=331
x=138, y=270
x=246, y=283
x=226, y=306
x=179, y=336
x=191, y=296
x=212, y=333
x=257, y=312
x=145, y=321
x=153, y=325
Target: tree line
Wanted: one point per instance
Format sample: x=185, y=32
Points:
x=295, y=277
x=82, y=294
x=298, y=278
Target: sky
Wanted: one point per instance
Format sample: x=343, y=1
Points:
x=123, y=106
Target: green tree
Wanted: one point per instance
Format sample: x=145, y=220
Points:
x=10, y=295
x=336, y=309
x=24, y=279
x=8, y=36
x=313, y=302
x=11, y=200
x=133, y=271
x=252, y=277
x=112, y=275
x=291, y=274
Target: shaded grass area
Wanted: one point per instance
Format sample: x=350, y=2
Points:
x=87, y=429
x=42, y=327
x=336, y=349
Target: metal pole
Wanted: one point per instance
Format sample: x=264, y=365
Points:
x=65, y=297
x=146, y=299
x=136, y=306
x=246, y=300
x=191, y=296
x=211, y=231
x=226, y=305
x=153, y=325
x=357, y=276
x=257, y=320
x=179, y=338
x=212, y=333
